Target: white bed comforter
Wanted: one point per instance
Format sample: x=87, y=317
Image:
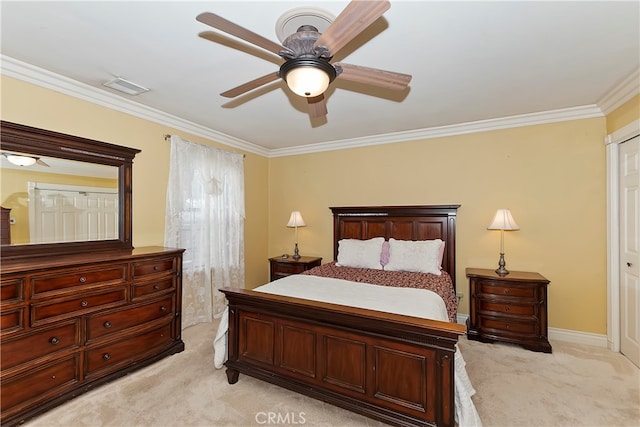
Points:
x=406, y=301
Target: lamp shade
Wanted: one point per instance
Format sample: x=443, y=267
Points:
x=503, y=221
x=296, y=220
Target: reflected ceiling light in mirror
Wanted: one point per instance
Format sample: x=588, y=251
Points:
x=19, y=160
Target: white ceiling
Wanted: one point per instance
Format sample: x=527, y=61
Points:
x=470, y=61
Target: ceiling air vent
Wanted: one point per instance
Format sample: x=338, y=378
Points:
x=126, y=86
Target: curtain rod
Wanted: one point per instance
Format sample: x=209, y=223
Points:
x=167, y=137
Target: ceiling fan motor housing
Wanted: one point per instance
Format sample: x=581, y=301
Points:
x=301, y=55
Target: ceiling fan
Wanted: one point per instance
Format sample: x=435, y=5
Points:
x=307, y=68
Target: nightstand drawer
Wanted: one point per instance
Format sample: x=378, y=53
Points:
x=507, y=308
x=494, y=288
x=502, y=326
x=288, y=269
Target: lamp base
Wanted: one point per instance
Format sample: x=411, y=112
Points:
x=296, y=254
x=501, y=270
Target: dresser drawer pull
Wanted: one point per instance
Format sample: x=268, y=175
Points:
x=163, y=308
x=156, y=268
x=107, y=324
x=506, y=308
x=507, y=325
x=54, y=340
x=507, y=291
x=106, y=356
x=84, y=303
x=83, y=279
x=156, y=287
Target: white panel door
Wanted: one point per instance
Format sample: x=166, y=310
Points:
x=629, y=168
x=72, y=214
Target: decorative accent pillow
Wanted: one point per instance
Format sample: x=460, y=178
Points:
x=360, y=253
x=384, y=257
x=417, y=256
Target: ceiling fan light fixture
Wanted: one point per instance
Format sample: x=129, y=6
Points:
x=307, y=77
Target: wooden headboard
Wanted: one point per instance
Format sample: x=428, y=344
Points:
x=399, y=222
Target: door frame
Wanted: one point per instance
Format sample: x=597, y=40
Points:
x=612, y=142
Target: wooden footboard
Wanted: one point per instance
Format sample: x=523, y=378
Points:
x=394, y=368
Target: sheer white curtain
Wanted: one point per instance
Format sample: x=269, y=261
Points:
x=205, y=215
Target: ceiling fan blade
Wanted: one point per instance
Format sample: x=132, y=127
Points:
x=229, y=27
x=317, y=106
x=357, y=16
x=253, y=84
x=373, y=76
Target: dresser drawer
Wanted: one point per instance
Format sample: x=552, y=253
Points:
x=150, y=288
x=37, y=384
x=81, y=278
x=507, y=308
x=41, y=312
x=11, y=290
x=502, y=326
x=12, y=319
x=124, y=352
x=110, y=323
x=42, y=343
x=156, y=266
x=496, y=288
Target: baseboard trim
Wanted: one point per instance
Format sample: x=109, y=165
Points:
x=566, y=335
x=577, y=337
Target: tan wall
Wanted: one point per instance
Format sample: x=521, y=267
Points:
x=624, y=114
x=35, y=106
x=552, y=177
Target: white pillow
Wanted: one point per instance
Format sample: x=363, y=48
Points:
x=417, y=256
x=360, y=253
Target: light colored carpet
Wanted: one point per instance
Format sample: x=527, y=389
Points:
x=574, y=386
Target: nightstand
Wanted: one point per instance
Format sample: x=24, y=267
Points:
x=510, y=308
x=282, y=267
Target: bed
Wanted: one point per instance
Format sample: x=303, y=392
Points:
x=394, y=366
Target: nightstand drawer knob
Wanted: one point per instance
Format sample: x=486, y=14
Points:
x=506, y=308
x=507, y=291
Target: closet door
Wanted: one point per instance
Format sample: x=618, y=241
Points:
x=629, y=170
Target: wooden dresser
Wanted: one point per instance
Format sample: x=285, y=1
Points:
x=510, y=308
x=72, y=322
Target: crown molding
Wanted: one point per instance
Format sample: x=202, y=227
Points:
x=551, y=116
x=40, y=77
x=621, y=93
x=22, y=71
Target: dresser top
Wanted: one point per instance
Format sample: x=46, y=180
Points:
x=45, y=262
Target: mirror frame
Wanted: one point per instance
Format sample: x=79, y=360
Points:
x=31, y=140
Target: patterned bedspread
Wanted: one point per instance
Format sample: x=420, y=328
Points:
x=442, y=285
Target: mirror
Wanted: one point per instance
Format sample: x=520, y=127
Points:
x=67, y=195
